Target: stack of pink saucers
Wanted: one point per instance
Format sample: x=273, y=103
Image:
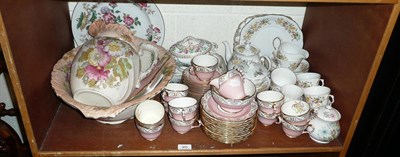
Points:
x=197, y=87
x=225, y=125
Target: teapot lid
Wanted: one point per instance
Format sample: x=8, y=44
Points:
x=247, y=49
x=328, y=113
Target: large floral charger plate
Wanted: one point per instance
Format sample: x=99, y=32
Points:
x=60, y=77
x=143, y=17
x=261, y=30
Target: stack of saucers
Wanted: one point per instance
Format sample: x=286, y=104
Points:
x=197, y=87
x=224, y=125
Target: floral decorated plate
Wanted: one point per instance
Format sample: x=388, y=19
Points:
x=144, y=18
x=261, y=30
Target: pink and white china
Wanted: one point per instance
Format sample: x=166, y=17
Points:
x=172, y=91
x=204, y=66
x=183, y=108
x=318, y=96
x=235, y=104
x=210, y=106
x=230, y=85
x=149, y=116
x=267, y=118
x=292, y=130
x=270, y=102
x=184, y=126
x=324, y=127
x=296, y=112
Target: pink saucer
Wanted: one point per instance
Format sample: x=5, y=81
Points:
x=214, y=108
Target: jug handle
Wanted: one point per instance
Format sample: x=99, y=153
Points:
x=266, y=59
x=221, y=61
x=273, y=43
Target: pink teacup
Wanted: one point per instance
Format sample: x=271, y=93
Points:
x=270, y=101
x=183, y=126
x=183, y=108
x=204, y=66
x=265, y=118
x=230, y=85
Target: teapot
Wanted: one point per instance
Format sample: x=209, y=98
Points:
x=324, y=126
x=245, y=58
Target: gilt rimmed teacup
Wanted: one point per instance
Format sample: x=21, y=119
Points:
x=184, y=126
x=317, y=96
x=267, y=118
x=309, y=79
x=296, y=112
x=281, y=77
x=183, y=108
x=172, y=91
x=270, y=101
x=204, y=66
x=150, y=114
x=292, y=130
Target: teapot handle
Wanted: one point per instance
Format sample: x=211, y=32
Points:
x=273, y=43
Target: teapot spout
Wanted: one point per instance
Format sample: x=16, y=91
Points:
x=228, y=51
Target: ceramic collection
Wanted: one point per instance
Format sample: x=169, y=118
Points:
x=263, y=77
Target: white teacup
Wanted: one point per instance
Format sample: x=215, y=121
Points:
x=317, y=96
x=149, y=116
x=292, y=92
x=183, y=108
x=204, y=66
x=309, y=79
x=296, y=112
x=270, y=101
x=281, y=77
x=172, y=91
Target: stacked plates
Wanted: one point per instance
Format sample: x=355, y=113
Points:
x=226, y=127
x=197, y=88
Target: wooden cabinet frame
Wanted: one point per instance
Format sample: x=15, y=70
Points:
x=346, y=39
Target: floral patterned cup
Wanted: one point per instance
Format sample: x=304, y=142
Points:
x=318, y=96
x=296, y=112
x=309, y=79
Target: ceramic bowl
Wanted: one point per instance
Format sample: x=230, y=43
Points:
x=227, y=103
x=104, y=72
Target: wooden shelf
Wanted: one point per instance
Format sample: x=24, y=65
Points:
x=125, y=139
x=346, y=39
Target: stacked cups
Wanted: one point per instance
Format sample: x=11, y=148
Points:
x=183, y=113
x=149, y=119
x=269, y=106
x=172, y=91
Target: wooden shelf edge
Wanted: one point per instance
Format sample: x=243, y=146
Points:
x=236, y=151
x=274, y=1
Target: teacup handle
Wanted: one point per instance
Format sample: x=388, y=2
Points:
x=198, y=125
x=321, y=82
x=273, y=43
x=310, y=128
x=182, y=114
x=332, y=100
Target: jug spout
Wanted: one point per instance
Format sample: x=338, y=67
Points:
x=215, y=82
x=228, y=51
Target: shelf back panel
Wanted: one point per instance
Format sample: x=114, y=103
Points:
x=343, y=40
